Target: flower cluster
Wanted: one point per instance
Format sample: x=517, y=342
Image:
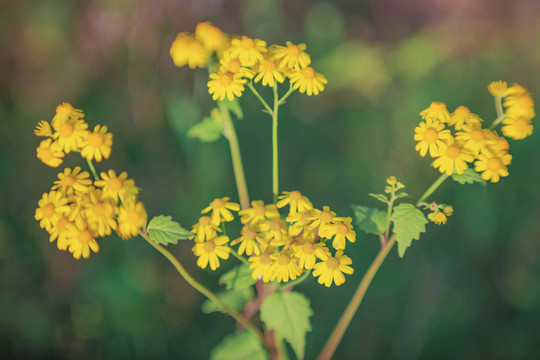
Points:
x=469, y=142
x=77, y=211
x=278, y=248
x=241, y=59
x=439, y=213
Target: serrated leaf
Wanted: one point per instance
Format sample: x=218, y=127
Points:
x=208, y=130
x=409, y=223
x=381, y=197
x=163, y=230
x=234, y=107
x=239, y=277
x=469, y=176
x=241, y=345
x=235, y=299
x=370, y=220
x=288, y=315
x=402, y=194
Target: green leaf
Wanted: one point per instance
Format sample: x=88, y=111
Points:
x=241, y=345
x=235, y=299
x=381, y=197
x=163, y=230
x=469, y=176
x=402, y=194
x=239, y=277
x=370, y=220
x=288, y=315
x=409, y=223
x=234, y=107
x=208, y=130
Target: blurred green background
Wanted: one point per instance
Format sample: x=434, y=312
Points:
x=467, y=290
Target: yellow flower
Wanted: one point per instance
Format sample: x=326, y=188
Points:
x=438, y=217
x=516, y=90
x=50, y=153
x=43, y=129
x=463, y=116
x=131, y=219
x=80, y=239
x=258, y=211
x=270, y=72
x=300, y=222
x=308, y=252
x=100, y=213
x=227, y=85
x=453, y=156
x=295, y=200
x=210, y=251
x=250, y=240
x=275, y=231
x=248, y=51
x=71, y=134
x=498, y=144
x=204, y=229
x=307, y=81
x=262, y=265
x=64, y=112
x=221, y=210
x=430, y=135
x=342, y=231
x=180, y=49
x=448, y=210
x=117, y=187
x=517, y=128
x=324, y=217
x=519, y=106
x=71, y=181
x=284, y=266
x=51, y=208
x=332, y=268
x=98, y=144
x=493, y=166
x=474, y=138
x=437, y=111
x=59, y=231
x=293, y=56
x=210, y=36
x=197, y=55
x=228, y=64
x=498, y=88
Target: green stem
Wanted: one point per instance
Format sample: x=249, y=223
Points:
x=432, y=188
x=92, y=169
x=239, y=257
x=205, y=291
x=297, y=281
x=500, y=112
x=261, y=99
x=230, y=134
x=388, y=215
x=287, y=94
x=275, y=169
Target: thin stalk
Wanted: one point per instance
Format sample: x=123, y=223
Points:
x=205, y=291
x=261, y=99
x=92, y=169
x=230, y=134
x=388, y=215
x=287, y=94
x=298, y=280
x=432, y=188
x=275, y=169
x=500, y=112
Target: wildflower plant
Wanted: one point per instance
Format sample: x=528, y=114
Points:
x=283, y=241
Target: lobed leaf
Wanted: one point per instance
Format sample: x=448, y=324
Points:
x=235, y=299
x=241, y=345
x=163, y=230
x=409, y=223
x=239, y=277
x=469, y=176
x=371, y=220
x=381, y=197
x=208, y=130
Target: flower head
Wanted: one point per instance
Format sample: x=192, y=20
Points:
x=284, y=266
x=72, y=181
x=70, y=134
x=269, y=71
x=261, y=265
x=492, y=166
x=430, y=135
x=249, y=240
x=463, y=116
x=517, y=128
x=228, y=64
x=332, y=268
x=519, y=106
x=204, y=229
x=221, y=210
x=453, y=156
x=258, y=212
x=307, y=252
x=50, y=153
x=131, y=219
x=249, y=51
x=100, y=213
x=98, y=144
x=43, y=129
x=292, y=56
x=474, y=138
x=438, y=217
x=212, y=37
x=64, y=112
x=307, y=80
x=226, y=84
x=117, y=187
x=437, y=111
x=80, y=239
x=340, y=232
x=295, y=200
x=210, y=251
x=498, y=88
x=51, y=208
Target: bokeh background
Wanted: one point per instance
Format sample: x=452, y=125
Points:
x=467, y=290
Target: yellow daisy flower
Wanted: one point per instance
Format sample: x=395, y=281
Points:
x=180, y=49
x=117, y=187
x=258, y=211
x=249, y=240
x=212, y=37
x=227, y=85
x=437, y=111
x=275, y=231
x=300, y=222
x=262, y=265
x=100, y=213
x=430, y=135
x=79, y=202
x=463, y=116
x=228, y=64
x=71, y=134
x=292, y=56
x=498, y=88
x=516, y=90
x=51, y=208
x=324, y=217
x=517, y=128
x=493, y=167
x=307, y=81
x=296, y=201
x=59, y=231
x=332, y=269
x=210, y=251
x=474, y=138
x=308, y=252
x=342, y=231
x=453, y=156
x=204, y=229
x=43, y=129
x=131, y=219
x=498, y=144
x=438, y=217
x=248, y=51
x=221, y=210
x=284, y=266
x=98, y=144
x=50, y=153
x=269, y=72
x=197, y=54
x=71, y=181
x=80, y=239
x=64, y=112
x=519, y=106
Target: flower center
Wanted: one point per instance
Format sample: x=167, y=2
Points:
x=64, y=109
x=46, y=153
x=431, y=135
x=217, y=204
x=209, y=246
x=66, y=129
x=284, y=259
x=453, y=152
x=332, y=263
x=249, y=235
x=295, y=195
x=521, y=124
x=477, y=135
x=494, y=164
x=342, y=229
x=502, y=145
x=325, y=217
x=438, y=106
x=61, y=224
x=234, y=66
x=259, y=210
x=204, y=221
x=95, y=140
x=247, y=43
x=99, y=209
x=68, y=181
x=309, y=73
x=195, y=47
x=226, y=79
x=275, y=226
x=308, y=248
x=293, y=50
x=115, y=184
x=133, y=217
x=269, y=65
x=48, y=210
x=84, y=236
x=265, y=259
x=462, y=111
